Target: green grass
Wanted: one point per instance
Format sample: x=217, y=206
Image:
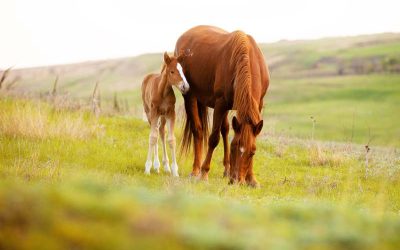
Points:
x=357, y=108
x=85, y=189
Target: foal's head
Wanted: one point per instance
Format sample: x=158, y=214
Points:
x=243, y=148
x=174, y=73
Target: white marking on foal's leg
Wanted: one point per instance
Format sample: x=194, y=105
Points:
x=156, y=163
x=172, y=145
x=165, y=160
x=147, y=166
x=152, y=142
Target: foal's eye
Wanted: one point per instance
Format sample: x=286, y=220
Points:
x=172, y=72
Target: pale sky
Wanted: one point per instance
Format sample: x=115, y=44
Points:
x=42, y=32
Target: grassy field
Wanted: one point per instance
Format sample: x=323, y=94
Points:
x=358, y=108
x=70, y=180
x=350, y=85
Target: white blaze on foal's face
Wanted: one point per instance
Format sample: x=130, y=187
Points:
x=184, y=85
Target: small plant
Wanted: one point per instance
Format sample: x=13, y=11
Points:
x=314, y=121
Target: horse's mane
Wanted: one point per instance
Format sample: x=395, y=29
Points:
x=244, y=103
x=163, y=66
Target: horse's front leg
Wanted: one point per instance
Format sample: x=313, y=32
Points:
x=153, y=147
x=224, y=133
x=220, y=112
x=172, y=143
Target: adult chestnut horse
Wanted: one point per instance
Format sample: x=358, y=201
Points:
x=226, y=72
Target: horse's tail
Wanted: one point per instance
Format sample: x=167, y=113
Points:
x=190, y=128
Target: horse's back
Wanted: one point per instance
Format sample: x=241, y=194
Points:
x=213, y=49
x=147, y=83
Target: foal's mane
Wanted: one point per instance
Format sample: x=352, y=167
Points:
x=163, y=67
x=244, y=103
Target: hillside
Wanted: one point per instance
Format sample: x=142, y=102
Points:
x=347, y=84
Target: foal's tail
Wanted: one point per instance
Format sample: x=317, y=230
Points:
x=190, y=128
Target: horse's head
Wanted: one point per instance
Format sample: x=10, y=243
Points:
x=174, y=73
x=243, y=148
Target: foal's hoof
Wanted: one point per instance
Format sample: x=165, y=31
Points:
x=174, y=168
x=147, y=172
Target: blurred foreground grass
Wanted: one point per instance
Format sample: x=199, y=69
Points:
x=84, y=188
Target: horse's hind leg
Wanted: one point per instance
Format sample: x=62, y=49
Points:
x=192, y=112
x=224, y=133
x=165, y=160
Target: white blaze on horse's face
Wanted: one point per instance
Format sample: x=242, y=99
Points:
x=184, y=85
x=242, y=150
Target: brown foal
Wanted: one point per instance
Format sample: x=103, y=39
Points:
x=159, y=106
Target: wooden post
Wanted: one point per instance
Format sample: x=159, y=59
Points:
x=96, y=101
x=116, y=103
x=4, y=76
x=54, y=91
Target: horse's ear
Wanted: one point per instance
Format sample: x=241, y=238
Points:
x=235, y=124
x=167, y=59
x=258, y=127
x=180, y=58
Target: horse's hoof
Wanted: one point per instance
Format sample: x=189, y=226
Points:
x=174, y=168
x=204, y=177
x=226, y=174
x=156, y=166
x=194, y=174
x=254, y=184
x=147, y=167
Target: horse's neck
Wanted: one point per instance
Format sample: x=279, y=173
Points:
x=162, y=88
x=244, y=102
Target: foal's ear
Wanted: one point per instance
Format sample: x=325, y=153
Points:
x=258, y=127
x=235, y=124
x=167, y=59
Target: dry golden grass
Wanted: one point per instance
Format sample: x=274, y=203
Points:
x=319, y=156
x=41, y=121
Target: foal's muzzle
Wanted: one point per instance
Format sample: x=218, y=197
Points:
x=183, y=87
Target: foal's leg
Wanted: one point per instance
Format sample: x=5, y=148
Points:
x=220, y=111
x=172, y=143
x=153, y=138
x=165, y=160
x=224, y=133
